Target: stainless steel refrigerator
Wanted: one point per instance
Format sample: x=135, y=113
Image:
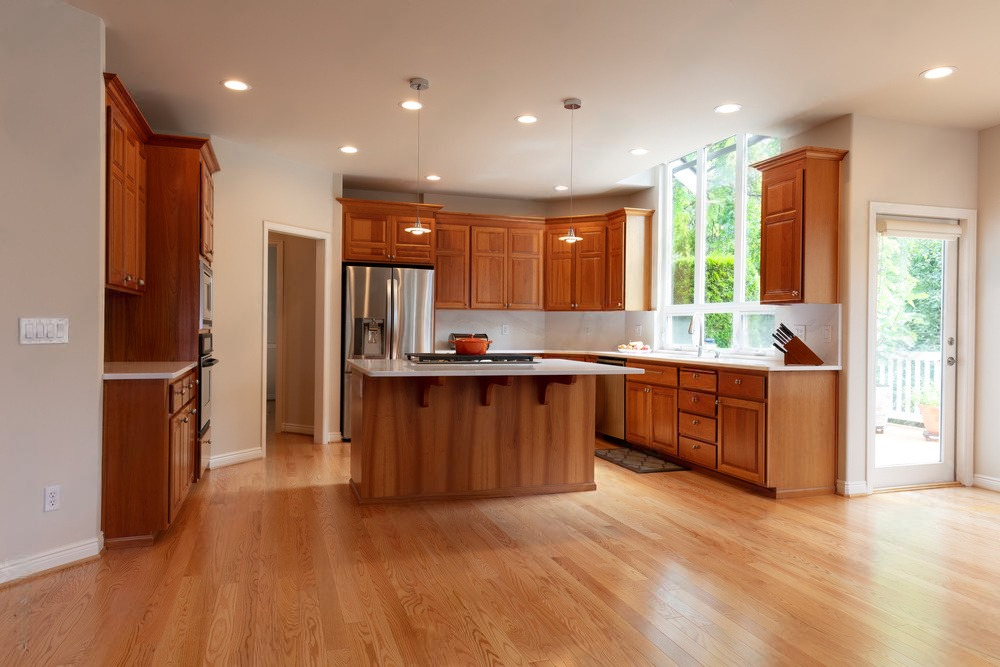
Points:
x=388, y=312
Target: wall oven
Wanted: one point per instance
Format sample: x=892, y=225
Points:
x=206, y=376
x=207, y=296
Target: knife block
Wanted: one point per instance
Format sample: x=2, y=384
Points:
x=798, y=354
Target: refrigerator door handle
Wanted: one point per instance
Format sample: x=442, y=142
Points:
x=394, y=314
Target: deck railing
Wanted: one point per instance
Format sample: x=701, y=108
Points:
x=907, y=374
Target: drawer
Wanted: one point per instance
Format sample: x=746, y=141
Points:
x=692, y=378
x=741, y=385
x=696, y=426
x=181, y=391
x=697, y=452
x=696, y=402
x=658, y=374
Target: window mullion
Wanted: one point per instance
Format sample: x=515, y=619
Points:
x=740, y=242
x=701, y=210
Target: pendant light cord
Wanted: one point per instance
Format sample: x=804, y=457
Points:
x=572, y=117
x=418, y=158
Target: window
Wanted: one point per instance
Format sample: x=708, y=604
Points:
x=713, y=236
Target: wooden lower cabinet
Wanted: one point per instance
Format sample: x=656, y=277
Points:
x=149, y=457
x=741, y=439
x=776, y=430
x=651, y=416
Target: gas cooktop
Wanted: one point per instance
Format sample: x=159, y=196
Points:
x=489, y=357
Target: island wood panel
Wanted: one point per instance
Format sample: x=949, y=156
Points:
x=456, y=447
x=801, y=453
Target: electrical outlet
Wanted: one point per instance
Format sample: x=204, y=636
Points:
x=53, y=497
x=638, y=331
x=587, y=330
x=504, y=329
x=827, y=333
x=800, y=331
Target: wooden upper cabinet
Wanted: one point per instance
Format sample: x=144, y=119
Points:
x=504, y=259
x=589, y=281
x=629, y=267
x=375, y=232
x=451, y=266
x=127, y=133
x=489, y=268
x=207, y=194
x=559, y=271
x=800, y=226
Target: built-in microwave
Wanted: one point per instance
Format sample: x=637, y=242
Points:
x=207, y=297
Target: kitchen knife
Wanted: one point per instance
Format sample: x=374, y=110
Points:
x=785, y=330
x=780, y=337
x=779, y=348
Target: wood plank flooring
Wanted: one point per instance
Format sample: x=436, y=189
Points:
x=273, y=562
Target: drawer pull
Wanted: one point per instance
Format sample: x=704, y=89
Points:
x=695, y=446
x=696, y=375
x=694, y=399
x=695, y=422
x=738, y=381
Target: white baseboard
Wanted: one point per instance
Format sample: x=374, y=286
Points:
x=47, y=560
x=848, y=489
x=297, y=428
x=232, y=458
x=982, y=481
x=336, y=436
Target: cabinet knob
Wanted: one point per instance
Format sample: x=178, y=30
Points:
x=795, y=292
x=737, y=381
x=695, y=446
x=193, y=411
x=141, y=282
x=128, y=278
x=694, y=399
x=619, y=304
x=185, y=420
x=696, y=375
x=695, y=422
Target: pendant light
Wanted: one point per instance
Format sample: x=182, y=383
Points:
x=571, y=103
x=417, y=228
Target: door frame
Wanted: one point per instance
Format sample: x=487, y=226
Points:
x=966, y=327
x=324, y=281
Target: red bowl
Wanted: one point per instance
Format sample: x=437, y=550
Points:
x=471, y=345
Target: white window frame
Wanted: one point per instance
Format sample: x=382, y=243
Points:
x=739, y=306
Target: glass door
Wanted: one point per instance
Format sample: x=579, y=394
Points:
x=916, y=316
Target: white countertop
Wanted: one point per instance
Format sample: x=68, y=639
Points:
x=146, y=370
x=770, y=363
x=402, y=368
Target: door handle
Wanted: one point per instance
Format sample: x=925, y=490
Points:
x=951, y=361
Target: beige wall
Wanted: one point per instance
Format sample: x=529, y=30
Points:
x=987, y=455
x=888, y=162
x=298, y=333
x=51, y=254
x=252, y=187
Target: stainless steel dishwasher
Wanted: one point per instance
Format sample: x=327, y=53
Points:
x=610, y=416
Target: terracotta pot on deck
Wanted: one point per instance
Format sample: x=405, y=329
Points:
x=471, y=345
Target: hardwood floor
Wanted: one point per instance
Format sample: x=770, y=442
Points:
x=273, y=562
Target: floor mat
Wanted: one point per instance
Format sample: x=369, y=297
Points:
x=637, y=461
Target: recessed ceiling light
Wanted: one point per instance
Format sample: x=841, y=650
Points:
x=236, y=84
x=348, y=149
x=412, y=105
x=638, y=151
x=561, y=188
x=433, y=177
x=728, y=108
x=938, y=72
x=527, y=119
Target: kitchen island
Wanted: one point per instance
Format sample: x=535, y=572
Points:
x=427, y=431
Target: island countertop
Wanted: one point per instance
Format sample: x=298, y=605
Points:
x=401, y=368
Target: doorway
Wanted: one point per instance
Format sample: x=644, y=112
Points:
x=920, y=354
x=295, y=355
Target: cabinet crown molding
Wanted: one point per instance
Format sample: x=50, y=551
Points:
x=806, y=152
x=388, y=206
x=115, y=89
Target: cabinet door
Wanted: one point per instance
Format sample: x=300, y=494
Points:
x=132, y=222
x=741, y=439
x=451, y=266
x=178, y=486
x=366, y=237
x=140, y=216
x=590, y=270
x=663, y=420
x=781, y=237
x=524, y=269
x=407, y=248
x=558, y=271
x=489, y=268
x=207, y=214
x=116, y=200
x=637, y=413
x=615, y=299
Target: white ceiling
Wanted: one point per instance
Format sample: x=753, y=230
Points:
x=649, y=72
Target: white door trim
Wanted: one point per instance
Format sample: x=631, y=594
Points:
x=324, y=281
x=965, y=380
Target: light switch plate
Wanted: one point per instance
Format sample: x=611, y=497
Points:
x=800, y=331
x=504, y=329
x=43, y=330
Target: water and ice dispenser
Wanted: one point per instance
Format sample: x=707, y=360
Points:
x=369, y=337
